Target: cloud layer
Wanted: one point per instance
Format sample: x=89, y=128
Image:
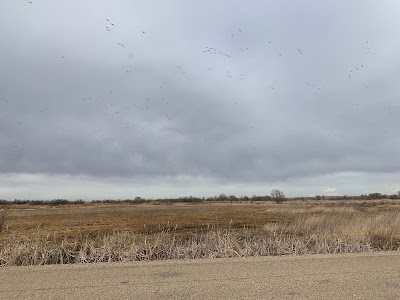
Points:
x=232, y=92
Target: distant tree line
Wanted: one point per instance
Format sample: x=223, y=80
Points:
x=276, y=195
x=371, y=196
x=43, y=202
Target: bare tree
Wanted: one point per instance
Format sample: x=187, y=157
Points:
x=277, y=195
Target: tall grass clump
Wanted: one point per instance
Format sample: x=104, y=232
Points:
x=3, y=218
x=212, y=242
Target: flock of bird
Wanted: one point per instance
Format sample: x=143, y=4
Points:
x=117, y=112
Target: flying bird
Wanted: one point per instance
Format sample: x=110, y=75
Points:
x=121, y=45
x=224, y=54
x=110, y=22
x=299, y=51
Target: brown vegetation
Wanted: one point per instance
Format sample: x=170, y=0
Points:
x=3, y=218
x=117, y=232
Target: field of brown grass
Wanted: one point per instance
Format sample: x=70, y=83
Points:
x=71, y=220
x=114, y=232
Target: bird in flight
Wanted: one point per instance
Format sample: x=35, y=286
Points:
x=121, y=45
x=299, y=51
x=30, y=2
x=110, y=22
x=224, y=54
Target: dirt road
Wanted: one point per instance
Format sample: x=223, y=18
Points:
x=350, y=276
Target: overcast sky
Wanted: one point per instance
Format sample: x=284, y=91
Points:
x=118, y=99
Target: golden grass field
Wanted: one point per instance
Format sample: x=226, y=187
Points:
x=70, y=220
x=91, y=232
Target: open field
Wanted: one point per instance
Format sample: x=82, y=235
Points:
x=117, y=232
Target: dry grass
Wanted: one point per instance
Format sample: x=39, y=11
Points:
x=103, y=233
x=3, y=218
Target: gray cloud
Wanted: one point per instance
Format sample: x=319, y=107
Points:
x=231, y=91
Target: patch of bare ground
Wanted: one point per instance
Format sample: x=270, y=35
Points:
x=122, y=232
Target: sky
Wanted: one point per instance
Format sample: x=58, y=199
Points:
x=123, y=99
